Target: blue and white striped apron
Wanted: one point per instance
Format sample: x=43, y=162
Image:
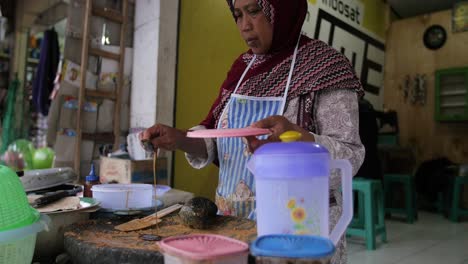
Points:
x=235, y=194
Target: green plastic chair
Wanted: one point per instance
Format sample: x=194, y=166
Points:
x=407, y=181
x=369, y=220
x=455, y=210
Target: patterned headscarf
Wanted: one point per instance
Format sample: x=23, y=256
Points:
x=287, y=18
x=318, y=66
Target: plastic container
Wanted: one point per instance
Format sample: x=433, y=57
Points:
x=124, y=197
x=292, y=249
x=160, y=190
x=35, y=180
x=292, y=189
x=17, y=245
x=50, y=244
x=204, y=249
x=158, y=193
x=91, y=180
x=19, y=222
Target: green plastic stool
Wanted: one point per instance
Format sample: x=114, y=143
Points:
x=387, y=140
x=410, y=195
x=455, y=210
x=369, y=221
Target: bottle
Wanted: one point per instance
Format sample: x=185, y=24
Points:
x=91, y=180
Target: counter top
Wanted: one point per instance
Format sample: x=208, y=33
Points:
x=96, y=241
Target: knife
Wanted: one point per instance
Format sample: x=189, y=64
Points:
x=54, y=196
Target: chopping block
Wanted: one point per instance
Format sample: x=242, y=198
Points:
x=96, y=241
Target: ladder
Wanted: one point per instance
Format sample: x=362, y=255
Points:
x=85, y=92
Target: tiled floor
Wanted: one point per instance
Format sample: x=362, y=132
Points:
x=432, y=239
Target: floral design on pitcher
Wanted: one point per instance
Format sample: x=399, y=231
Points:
x=298, y=215
x=303, y=222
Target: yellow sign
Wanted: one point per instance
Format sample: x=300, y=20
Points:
x=460, y=17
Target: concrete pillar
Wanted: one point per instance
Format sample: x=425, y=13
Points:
x=154, y=65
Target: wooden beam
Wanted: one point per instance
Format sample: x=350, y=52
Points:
x=100, y=94
x=81, y=93
x=104, y=54
x=107, y=13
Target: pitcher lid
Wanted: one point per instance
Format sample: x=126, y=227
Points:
x=292, y=246
x=290, y=159
x=290, y=144
x=296, y=147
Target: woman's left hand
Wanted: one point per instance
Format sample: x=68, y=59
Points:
x=277, y=125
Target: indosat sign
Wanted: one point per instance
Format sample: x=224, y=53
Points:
x=340, y=24
x=351, y=11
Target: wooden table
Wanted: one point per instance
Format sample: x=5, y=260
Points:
x=96, y=241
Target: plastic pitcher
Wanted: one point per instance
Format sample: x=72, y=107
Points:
x=292, y=188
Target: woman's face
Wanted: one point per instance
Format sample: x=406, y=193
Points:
x=253, y=25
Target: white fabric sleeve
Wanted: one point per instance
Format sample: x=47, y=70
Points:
x=337, y=122
x=199, y=162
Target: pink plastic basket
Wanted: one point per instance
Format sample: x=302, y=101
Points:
x=201, y=247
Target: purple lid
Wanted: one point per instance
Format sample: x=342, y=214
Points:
x=293, y=160
x=296, y=147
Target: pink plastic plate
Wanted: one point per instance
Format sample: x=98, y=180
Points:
x=231, y=132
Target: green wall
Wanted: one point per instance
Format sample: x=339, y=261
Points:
x=208, y=44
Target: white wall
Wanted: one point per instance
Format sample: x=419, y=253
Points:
x=155, y=43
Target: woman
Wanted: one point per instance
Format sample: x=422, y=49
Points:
x=285, y=81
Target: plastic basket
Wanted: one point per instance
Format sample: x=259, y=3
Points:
x=19, y=251
x=15, y=211
x=17, y=245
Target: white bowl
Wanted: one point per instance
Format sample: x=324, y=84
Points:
x=124, y=197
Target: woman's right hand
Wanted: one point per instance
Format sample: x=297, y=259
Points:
x=164, y=137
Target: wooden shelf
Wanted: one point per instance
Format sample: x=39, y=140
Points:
x=4, y=56
x=451, y=90
x=453, y=93
x=33, y=61
x=91, y=12
x=99, y=137
x=104, y=54
x=454, y=105
x=99, y=94
x=112, y=15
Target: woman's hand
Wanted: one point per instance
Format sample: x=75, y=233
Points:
x=164, y=137
x=169, y=138
x=277, y=125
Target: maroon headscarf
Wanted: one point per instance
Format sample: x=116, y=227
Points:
x=287, y=17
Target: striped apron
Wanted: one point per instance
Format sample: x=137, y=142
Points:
x=235, y=194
